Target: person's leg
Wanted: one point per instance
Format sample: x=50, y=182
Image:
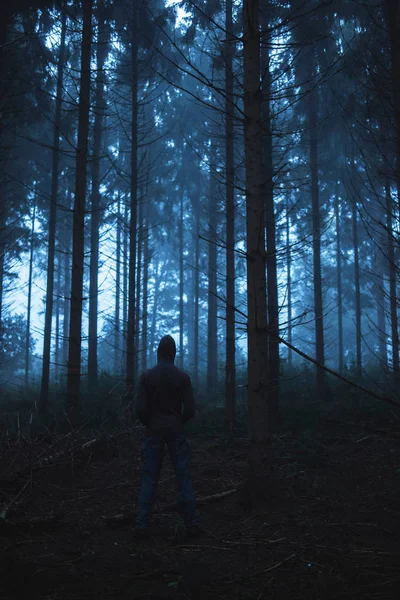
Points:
x=179, y=452
x=152, y=453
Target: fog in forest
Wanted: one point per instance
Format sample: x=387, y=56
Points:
x=177, y=168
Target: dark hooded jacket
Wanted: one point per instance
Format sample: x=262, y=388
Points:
x=165, y=398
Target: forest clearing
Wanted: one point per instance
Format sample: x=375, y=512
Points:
x=329, y=528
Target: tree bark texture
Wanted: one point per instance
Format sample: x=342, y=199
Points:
x=196, y=356
x=289, y=284
x=125, y=255
x=259, y=439
x=230, y=365
x=44, y=388
x=339, y=282
x=181, y=283
x=67, y=286
x=101, y=55
x=131, y=329
x=393, y=24
x=78, y=245
x=392, y=283
x=272, y=277
x=357, y=293
x=379, y=288
x=212, y=325
x=316, y=225
x=28, y=312
x=146, y=263
x=117, y=340
x=139, y=283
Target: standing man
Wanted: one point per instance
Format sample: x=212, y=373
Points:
x=165, y=403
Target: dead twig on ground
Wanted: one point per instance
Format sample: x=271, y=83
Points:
x=262, y=571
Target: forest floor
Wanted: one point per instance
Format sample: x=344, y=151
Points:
x=331, y=528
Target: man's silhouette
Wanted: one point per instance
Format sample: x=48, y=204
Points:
x=165, y=403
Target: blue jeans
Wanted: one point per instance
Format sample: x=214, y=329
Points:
x=152, y=452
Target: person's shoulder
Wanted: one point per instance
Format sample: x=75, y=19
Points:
x=183, y=374
x=145, y=375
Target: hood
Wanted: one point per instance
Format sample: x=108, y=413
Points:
x=166, y=349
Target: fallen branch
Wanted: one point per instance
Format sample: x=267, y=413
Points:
x=261, y=571
x=6, y=507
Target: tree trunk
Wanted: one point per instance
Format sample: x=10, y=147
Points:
x=67, y=284
x=3, y=218
x=212, y=328
x=317, y=277
x=393, y=24
x=101, y=55
x=230, y=367
x=117, y=340
x=380, y=308
x=28, y=313
x=131, y=331
x=2, y=261
x=357, y=288
x=339, y=282
x=181, y=274
x=392, y=284
x=259, y=439
x=138, y=283
x=272, y=278
x=78, y=246
x=289, y=284
x=125, y=284
x=146, y=261
x=44, y=388
x=57, y=324
x=196, y=303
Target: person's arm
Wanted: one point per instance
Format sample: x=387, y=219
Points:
x=189, y=407
x=142, y=406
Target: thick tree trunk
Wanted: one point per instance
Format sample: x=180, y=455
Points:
x=28, y=312
x=357, y=289
x=212, y=328
x=78, y=234
x=125, y=284
x=3, y=217
x=146, y=261
x=392, y=284
x=2, y=262
x=57, y=324
x=393, y=24
x=196, y=303
x=259, y=439
x=181, y=283
x=379, y=287
x=272, y=278
x=230, y=366
x=44, y=388
x=131, y=330
x=317, y=277
x=138, y=283
x=339, y=282
x=96, y=202
x=289, y=284
x=117, y=340
x=67, y=299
